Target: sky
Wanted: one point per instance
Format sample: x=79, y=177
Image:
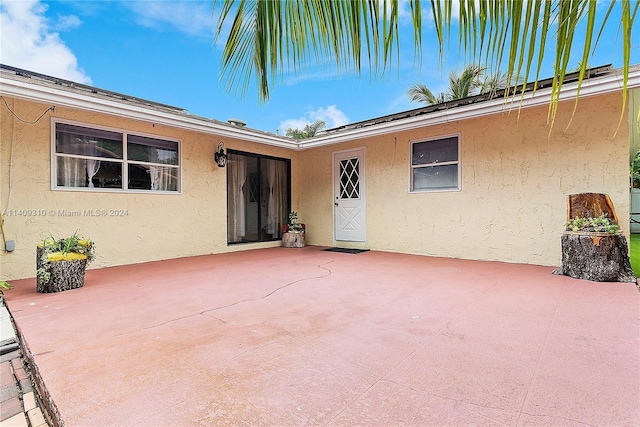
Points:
x=164, y=51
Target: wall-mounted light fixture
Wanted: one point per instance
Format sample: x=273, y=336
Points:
x=220, y=156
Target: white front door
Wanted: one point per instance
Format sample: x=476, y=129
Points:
x=349, y=195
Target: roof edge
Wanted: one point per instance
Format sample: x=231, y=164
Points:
x=49, y=94
x=611, y=82
x=23, y=88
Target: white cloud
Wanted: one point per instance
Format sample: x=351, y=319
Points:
x=190, y=17
x=67, y=22
x=331, y=115
x=427, y=14
x=294, y=124
x=404, y=12
x=29, y=42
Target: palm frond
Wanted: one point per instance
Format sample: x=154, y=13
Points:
x=268, y=38
x=421, y=93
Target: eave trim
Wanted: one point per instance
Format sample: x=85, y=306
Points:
x=64, y=98
x=50, y=95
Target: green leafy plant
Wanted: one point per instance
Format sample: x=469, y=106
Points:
x=600, y=224
x=70, y=248
x=309, y=130
x=4, y=286
x=294, y=226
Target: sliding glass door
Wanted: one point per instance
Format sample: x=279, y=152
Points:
x=258, y=197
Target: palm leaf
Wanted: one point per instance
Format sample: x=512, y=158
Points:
x=269, y=38
x=421, y=93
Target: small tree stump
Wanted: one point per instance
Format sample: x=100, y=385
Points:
x=293, y=240
x=64, y=275
x=600, y=257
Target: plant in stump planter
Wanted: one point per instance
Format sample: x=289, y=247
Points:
x=592, y=247
x=293, y=234
x=61, y=263
x=600, y=224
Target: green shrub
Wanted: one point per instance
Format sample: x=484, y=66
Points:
x=600, y=224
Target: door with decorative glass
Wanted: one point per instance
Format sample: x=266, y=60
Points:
x=349, y=195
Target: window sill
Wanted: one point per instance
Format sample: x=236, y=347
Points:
x=112, y=190
x=439, y=190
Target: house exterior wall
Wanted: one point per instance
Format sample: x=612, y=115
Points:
x=511, y=207
x=157, y=226
x=515, y=177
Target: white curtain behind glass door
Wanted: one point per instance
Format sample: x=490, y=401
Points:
x=237, y=166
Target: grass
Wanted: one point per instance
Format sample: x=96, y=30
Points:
x=635, y=253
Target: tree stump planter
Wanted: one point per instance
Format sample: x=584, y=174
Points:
x=293, y=240
x=599, y=257
x=63, y=275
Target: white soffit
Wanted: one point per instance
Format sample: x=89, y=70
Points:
x=611, y=82
x=81, y=101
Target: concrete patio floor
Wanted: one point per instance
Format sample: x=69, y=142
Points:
x=288, y=337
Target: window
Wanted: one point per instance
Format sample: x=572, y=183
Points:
x=97, y=159
x=258, y=197
x=435, y=165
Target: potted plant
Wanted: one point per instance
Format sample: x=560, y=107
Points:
x=293, y=233
x=592, y=246
x=61, y=263
x=600, y=224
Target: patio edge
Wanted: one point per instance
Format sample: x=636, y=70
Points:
x=44, y=400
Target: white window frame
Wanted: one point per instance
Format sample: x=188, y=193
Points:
x=124, y=161
x=456, y=162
